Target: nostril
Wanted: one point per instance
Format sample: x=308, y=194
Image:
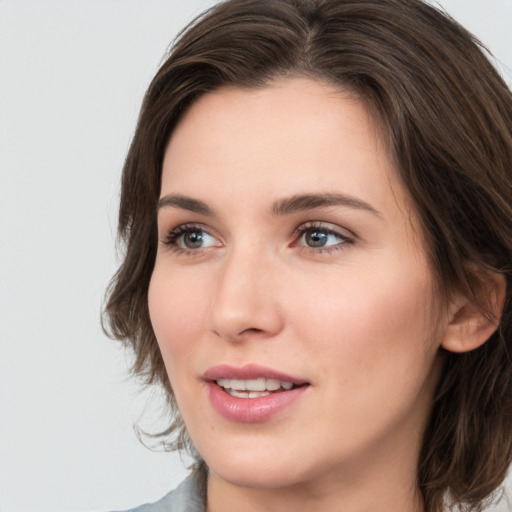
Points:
x=241, y=335
x=251, y=330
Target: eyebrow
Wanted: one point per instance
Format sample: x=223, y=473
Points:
x=185, y=203
x=281, y=207
x=311, y=201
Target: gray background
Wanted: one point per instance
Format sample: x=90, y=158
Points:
x=72, y=74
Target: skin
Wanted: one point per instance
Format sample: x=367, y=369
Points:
x=354, y=318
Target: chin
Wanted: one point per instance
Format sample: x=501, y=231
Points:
x=252, y=470
x=256, y=478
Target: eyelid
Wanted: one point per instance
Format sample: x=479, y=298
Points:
x=326, y=226
x=346, y=236
x=172, y=235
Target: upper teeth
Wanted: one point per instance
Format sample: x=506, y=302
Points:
x=260, y=384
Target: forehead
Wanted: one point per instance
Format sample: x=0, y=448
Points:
x=294, y=136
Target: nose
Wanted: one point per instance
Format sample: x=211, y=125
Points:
x=245, y=304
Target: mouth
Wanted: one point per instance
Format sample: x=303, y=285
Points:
x=254, y=388
x=252, y=381
x=252, y=393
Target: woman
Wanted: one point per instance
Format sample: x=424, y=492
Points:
x=315, y=208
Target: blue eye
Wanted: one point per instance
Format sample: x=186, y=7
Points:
x=318, y=237
x=190, y=238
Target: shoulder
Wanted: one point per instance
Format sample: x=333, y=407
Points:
x=187, y=497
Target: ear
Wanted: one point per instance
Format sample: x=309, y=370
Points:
x=472, y=320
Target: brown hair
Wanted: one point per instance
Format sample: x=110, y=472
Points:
x=448, y=115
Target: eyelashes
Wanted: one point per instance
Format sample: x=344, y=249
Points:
x=190, y=237
x=319, y=237
x=313, y=237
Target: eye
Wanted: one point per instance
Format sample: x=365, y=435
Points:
x=317, y=236
x=190, y=237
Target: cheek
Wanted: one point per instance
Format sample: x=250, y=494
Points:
x=370, y=335
x=373, y=319
x=177, y=314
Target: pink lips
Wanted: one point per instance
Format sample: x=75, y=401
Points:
x=250, y=410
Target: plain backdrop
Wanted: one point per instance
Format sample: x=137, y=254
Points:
x=72, y=75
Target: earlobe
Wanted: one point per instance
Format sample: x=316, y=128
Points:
x=473, y=320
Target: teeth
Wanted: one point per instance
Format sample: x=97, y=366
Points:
x=239, y=385
x=272, y=384
x=247, y=394
x=223, y=383
x=256, y=394
x=253, y=386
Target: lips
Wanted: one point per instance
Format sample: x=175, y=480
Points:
x=251, y=393
x=250, y=371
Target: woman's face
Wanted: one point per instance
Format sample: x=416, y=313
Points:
x=288, y=257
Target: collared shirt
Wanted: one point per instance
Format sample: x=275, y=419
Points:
x=187, y=497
